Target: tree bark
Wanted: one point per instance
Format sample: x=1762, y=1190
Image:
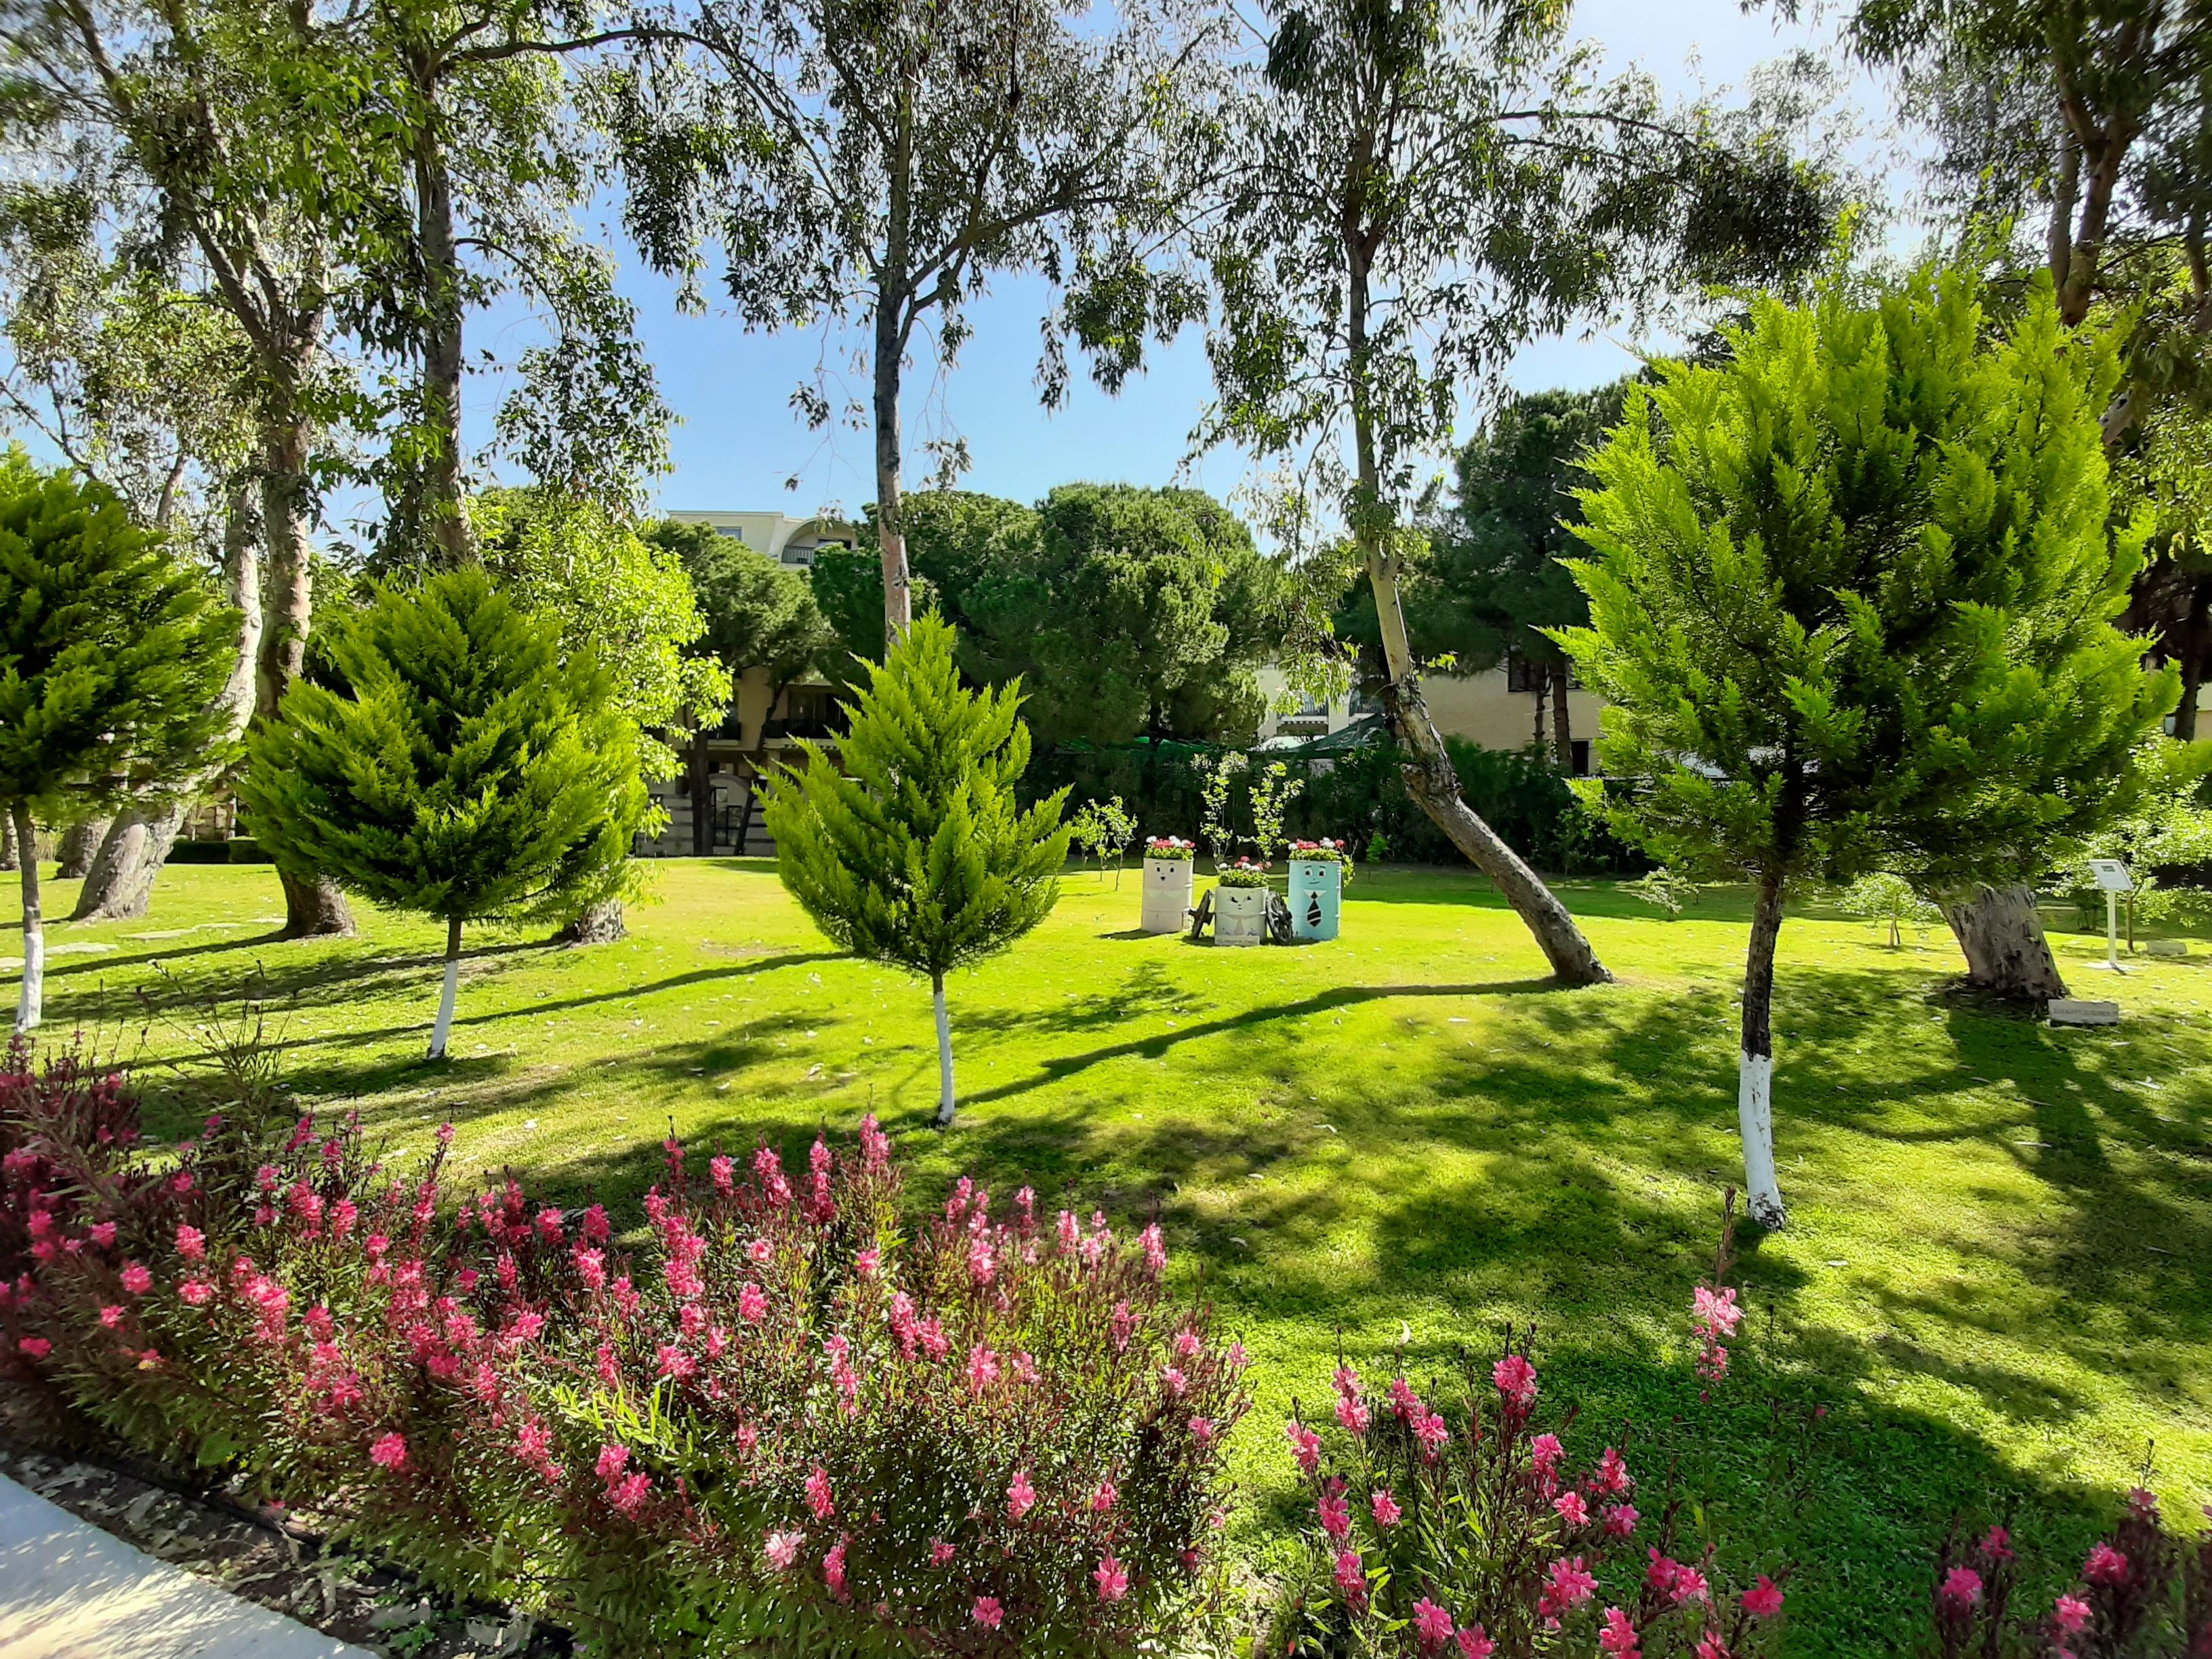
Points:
x=79, y=845
x=702, y=791
x=9, y=859
x=444, y=510
x=120, y=884
x=1754, y=1097
x=892, y=299
x=31, y=997
x=600, y=924
x=1562, y=730
x=1430, y=776
x=2001, y=936
x=945, y=1098
x=445, y=1025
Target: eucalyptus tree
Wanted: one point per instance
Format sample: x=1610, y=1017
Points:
x=1420, y=186
x=172, y=120
x=879, y=161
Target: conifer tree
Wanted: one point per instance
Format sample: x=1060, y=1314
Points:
x=113, y=656
x=1852, y=607
x=466, y=771
x=913, y=853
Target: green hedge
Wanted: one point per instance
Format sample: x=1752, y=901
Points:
x=1354, y=797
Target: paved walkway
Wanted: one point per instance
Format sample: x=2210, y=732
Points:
x=68, y=1590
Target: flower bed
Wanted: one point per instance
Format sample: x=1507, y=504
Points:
x=782, y=1420
x=1243, y=876
x=1170, y=847
x=1324, y=852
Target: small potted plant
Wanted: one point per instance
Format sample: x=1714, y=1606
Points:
x=1320, y=872
x=1167, y=883
x=1240, y=904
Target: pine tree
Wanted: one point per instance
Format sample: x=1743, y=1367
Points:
x=1851, y=606
x=467, y=772
x=915, y=853
x=112, y=655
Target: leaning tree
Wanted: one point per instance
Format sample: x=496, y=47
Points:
x=1851, y=604
x=1419, y=189
x=113, y=659
x=468, y=769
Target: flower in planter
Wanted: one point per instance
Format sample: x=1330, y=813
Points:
x=1170, y=847
x=1244, y=874
x=1324, y=851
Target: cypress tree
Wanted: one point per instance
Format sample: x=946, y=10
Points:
x=1851, y=606
x=465, y=771
x=914, y=852
x=112, y=655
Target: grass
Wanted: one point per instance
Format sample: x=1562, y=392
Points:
x=1997, y=1278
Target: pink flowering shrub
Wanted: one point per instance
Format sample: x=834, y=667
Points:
x=783, y=1422
x=1458, y=1529
x=2142, y=1594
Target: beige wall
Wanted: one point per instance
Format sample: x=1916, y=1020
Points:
x=1480, y=708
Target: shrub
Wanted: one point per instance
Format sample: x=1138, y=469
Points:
x=784, y=1423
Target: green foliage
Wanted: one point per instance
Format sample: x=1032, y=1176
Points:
x=1102, y=829
x=848, y=585
x=1851, y=597
x=1882, y=897
x=617, y=597
x=758, y=612
x=1664, y=890
x=112, y=655
x=472, y=767
x=913, y=851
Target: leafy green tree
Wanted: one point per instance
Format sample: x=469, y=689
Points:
x=112, y=659
x=760, y=614
x=1851, y=604
x=471, y=768
x=1420, y=189
x=907, y=847
x=879, y=160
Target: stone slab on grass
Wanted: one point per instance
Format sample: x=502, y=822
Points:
x=2068, y=1010
x=68, y=1590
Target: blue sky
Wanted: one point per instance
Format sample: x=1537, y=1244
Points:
x=737, y=442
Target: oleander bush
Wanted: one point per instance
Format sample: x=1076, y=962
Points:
x=781, y=1423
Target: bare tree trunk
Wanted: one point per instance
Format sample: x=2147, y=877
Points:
x=890, y=353
x=702, y=791
x=31, y=997
x=601, y=924
x=313, y=907
x=1563, y=731
x=79, y=845
x=2001, y=934
x=120, y=884
x=1754, y=1097
x=445, y=511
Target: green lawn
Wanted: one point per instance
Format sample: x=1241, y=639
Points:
x=1998, y=1275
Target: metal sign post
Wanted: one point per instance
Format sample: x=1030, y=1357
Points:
x=2113, y=878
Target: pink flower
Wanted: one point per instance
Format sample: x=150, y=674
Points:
x=1997, y=1544
x=195, y=1292
x=1516, y=1380
x=1201, y=1430
x=1428, y=1429
x=1173, y=1381
x=1571, y=1509
x=781, y=1549
x=817, y=1493
x=752, y=1305
x=1620, y=1521
x=613, y=1460
x=1570, y=1584
x=102, y=1235
x=1021, y=1496
x=866, y=1262
x=1113, y=1579
x=1104, y=1499
x=2106, y=1565
x=1305, y=1446
x=191, y=1243
x=2070, y=1614
x=1714, y=1315
x=1618, y=1636
x=1386, y=1510
x=137, y=1279
x=1155, y=1251
x=940, y=1551
x=1352, y=1576
x=833, y=1569
x=982, y=1368
x=1431, y=1624
x=1352, y=1411
x=1961, y=1588
x=1711, y=1646
x=111, y=1317
x=1475, y=1643
x=389, y=1452
x=1613, y=1476
x=1335, y=1517
x=1763, y=1599
x=1545, y=1452
x=986, y=1612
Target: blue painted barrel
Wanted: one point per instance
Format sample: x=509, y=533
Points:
x=1317, y=897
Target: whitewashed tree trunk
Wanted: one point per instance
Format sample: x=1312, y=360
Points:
x=944, y=1107
x=445, y=1025
x=1755, y=1098
x=30, y=998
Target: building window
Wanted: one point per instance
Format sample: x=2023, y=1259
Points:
x=803, y=556
x=1579, y=749
x=730, y=531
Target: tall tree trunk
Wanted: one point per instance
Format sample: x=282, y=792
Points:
x=120, y=885
x=9, y=858
x=79, y=845
x=1542, y=684
x=1430, y=776
x=601, y=923
x=1562, y=730
x=1755, y=1092
x=891, y=302
x=2000, y=934
x=313, y=907
x=443, y=508
x=445, y=1025
x=702, y=796
x=944, y=1099
x=31, y=997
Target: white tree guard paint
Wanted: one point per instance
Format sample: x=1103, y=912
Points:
x=30, y=1001
x=1754, y=1113
x=445, y=1008
x=943, y=1058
